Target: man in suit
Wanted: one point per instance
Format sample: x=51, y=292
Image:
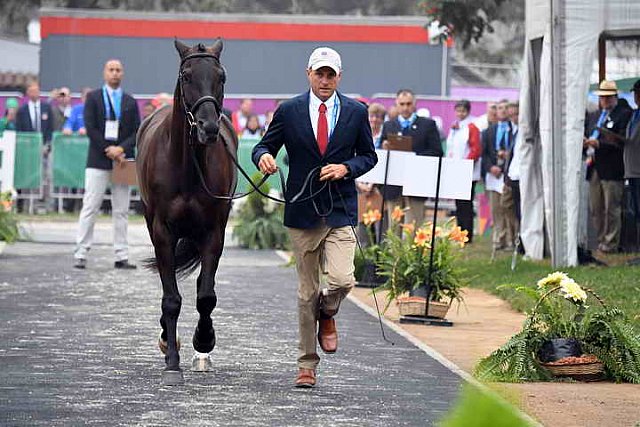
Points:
x=497, y=140
x=36, y=116
x=323, y=129
x=632, y=157
x=425, y=141
x=604, y=147
x=111, y=120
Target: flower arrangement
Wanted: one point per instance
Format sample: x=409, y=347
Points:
x=365, y=261
x=404, y=259
x=8, y=224
x=259, y=223
x=562, y=329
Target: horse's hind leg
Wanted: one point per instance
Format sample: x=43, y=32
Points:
x=165, y=244
x=204, y=338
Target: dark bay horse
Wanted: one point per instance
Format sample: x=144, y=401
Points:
x=186, y=175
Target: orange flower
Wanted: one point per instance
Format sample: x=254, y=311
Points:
x=459, y=235
x=371, y=216
x=6, y=204
x=409, y=228
x=397, y=214
x=423, y=237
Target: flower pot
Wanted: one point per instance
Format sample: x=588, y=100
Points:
x=583, y=368
x=559, y=348
x=369, y=276
x=415, y=306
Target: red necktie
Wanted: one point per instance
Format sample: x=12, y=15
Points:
x=323, y=129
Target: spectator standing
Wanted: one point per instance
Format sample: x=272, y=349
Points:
x=376, y=120
x=425, y=142
x=112, y=120
x=463, y=142
x=497, y=140
x=252, y=129
x=8, y=121
x=606, y=169
x=75, y=122
x=61, y=107
x=239, y=118
x=35, y=116
x=514, y=157
x=632, y=156
x=487, y=119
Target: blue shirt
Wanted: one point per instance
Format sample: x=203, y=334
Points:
x=75, y=122
x=405, y=123
x=502, y=136
x=116, y=100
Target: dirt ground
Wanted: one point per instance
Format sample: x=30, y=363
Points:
x=484, y=323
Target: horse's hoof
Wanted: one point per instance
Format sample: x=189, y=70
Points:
x=201, y=362
x=171, y=378
x=206, y=343
x=164, y=346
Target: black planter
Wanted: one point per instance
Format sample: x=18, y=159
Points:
x=369, y=277
x=558, y=348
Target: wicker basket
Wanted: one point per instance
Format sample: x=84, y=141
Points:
x=415, y=306
x=579, y=371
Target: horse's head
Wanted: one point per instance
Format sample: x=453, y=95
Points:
x=201, y=79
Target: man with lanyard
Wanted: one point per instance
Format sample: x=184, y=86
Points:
x=327, y=136
x=497, y=140
x=111, y=120
x=425, y=141
x=604, y=144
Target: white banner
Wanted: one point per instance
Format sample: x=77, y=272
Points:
x=7, y=159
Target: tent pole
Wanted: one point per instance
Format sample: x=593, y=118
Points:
x=559, y=247
x=602, y=58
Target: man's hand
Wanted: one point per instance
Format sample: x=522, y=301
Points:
x=66, y=131
x=385, y=145
x=495, y=171
x=82, y=131
x=267, y=164
x=113, y=152
x=333, y=172
x=121, y=159
x=592, y=143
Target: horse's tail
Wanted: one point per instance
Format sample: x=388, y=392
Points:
x=187, y=259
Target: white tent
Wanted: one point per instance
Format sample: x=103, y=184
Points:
x=553, y=98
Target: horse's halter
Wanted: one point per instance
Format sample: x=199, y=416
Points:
x=190, y=112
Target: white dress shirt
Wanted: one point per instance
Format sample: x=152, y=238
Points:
x=35, y=121
x=333, y=112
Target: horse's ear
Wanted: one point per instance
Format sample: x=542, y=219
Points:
x=216, y=48
x=181, y=47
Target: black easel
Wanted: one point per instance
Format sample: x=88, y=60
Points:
x=428, y=289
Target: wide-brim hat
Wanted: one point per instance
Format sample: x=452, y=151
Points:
x=607, y=88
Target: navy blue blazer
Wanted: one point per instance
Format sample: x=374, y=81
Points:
x=350, y=144
x=23, y=121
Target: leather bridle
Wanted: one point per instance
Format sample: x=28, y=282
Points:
x=190, y=112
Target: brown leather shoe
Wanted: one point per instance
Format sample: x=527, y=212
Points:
x=306, y=378
x=328, y=335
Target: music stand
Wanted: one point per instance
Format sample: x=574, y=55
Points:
x=124, y=173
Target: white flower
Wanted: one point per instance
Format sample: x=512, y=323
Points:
x=553, y=279
x=571, y=290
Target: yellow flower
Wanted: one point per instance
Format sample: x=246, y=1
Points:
x=371, y=216
x=423, y=236
x=397, y=214
x=572, y=290
x=552, y=279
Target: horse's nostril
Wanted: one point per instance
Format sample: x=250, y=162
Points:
x=210, y=128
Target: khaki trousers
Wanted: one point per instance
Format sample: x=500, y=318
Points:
x=320, y=250
x=605, y=199
x=503, y=217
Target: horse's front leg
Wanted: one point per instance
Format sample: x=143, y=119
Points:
x=165, y=244
x=204, y=337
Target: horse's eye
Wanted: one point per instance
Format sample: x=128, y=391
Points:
x=186, y=77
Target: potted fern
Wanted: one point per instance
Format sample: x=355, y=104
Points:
x=565, y=337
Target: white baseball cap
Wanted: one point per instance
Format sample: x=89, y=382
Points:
x=325, y=57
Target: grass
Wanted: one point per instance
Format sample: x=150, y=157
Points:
x=618, y=284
